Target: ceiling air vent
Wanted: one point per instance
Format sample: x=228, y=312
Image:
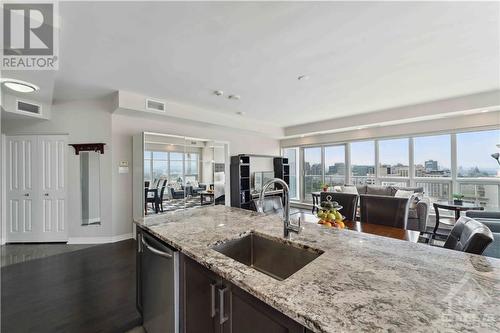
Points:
x=28, y=107
x=155, y=105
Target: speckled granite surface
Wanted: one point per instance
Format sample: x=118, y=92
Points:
x=362, y=283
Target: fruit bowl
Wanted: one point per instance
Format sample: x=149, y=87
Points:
x=331, y=218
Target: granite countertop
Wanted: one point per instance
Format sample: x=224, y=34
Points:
x=360, y=283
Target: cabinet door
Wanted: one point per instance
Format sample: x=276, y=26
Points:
x=199, y=287
x=250, y=315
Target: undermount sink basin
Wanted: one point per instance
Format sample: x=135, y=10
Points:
x=267, y=255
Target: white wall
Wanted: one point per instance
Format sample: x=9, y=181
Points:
x=124, y=126
x=84, y=122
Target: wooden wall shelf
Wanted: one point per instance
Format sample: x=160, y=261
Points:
x=97, y=147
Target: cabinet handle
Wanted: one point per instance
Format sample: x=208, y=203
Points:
x=212, y=300
x=139, y=242
x=46, y=194
x=155, y=251
x=26, y=194
x=222, y=317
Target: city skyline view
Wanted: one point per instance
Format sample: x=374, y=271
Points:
x=394, y=152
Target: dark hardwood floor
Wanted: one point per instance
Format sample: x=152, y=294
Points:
x=90, y=290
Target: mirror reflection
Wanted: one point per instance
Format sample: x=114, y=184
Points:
x=90, y=186
x=182, y=172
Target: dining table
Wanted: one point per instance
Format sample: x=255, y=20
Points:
x=456, y=207
x=369, y=228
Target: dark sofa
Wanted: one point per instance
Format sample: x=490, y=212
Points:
x=418, y=212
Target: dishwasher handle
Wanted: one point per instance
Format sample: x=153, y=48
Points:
x=155, y=251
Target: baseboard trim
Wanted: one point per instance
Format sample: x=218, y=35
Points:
x=99, y=240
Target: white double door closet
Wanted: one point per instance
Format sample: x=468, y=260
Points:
x=36, y=188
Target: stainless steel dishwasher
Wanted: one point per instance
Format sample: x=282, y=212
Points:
x=158, y=285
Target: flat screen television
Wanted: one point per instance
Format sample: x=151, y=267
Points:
x=260, y=178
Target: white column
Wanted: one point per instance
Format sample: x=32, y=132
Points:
x=454, y=166
x=411, y=169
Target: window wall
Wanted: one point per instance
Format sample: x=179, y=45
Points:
x=171, y=165
x=442, y=164
x=313, y=176
x=393, y=158
x=363, y=162
x=335, y=167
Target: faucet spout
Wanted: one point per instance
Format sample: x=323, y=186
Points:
x=287, y=225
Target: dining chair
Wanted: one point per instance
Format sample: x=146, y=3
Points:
x=348, y=201
x=389, y=211
x=160, y=196
x=469, y=235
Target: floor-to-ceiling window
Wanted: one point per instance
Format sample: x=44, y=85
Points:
x=176, y=166
x=192, y=164
x=432, y=165
x=478, y=172
x=293, y=158
x=362, y=162
x=313, y=176
x=442, y=164
x=393, y=158
x=335, y=167
x=160, y=164
x=171, y=165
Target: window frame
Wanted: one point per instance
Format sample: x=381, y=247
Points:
x=454, y=181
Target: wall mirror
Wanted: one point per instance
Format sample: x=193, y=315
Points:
x=180, y=173
x=90, y=187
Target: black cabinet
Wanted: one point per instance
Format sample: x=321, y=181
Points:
x=240, y=182
x=211, y=304
x=281, y=170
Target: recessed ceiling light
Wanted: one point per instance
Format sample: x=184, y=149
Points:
x=218, y=93
x=240, y=113
x=303, y=77
x=235, y=97
x=302, y=136
x=484, y=111
x=20, y=86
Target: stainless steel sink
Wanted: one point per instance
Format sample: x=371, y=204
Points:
x=267, y=255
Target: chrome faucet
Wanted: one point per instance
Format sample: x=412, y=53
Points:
x=287, y=226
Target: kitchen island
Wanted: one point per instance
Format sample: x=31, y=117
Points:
x=360, y=282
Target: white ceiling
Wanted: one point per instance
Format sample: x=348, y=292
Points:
x=361, y=57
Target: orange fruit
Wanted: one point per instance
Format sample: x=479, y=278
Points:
x=341, y=224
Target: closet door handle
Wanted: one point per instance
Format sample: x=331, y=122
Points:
x=26, y=194
x=46, y=194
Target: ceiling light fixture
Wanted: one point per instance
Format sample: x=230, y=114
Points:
x=240, y=113
x=218, y=93
x=235, y=97
x=303, y=77
x=20, y=86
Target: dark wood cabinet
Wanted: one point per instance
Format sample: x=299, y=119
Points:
x=250, y=315
x=211, y=304
x=198, y=298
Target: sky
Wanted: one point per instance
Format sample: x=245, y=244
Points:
x=473, y=149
